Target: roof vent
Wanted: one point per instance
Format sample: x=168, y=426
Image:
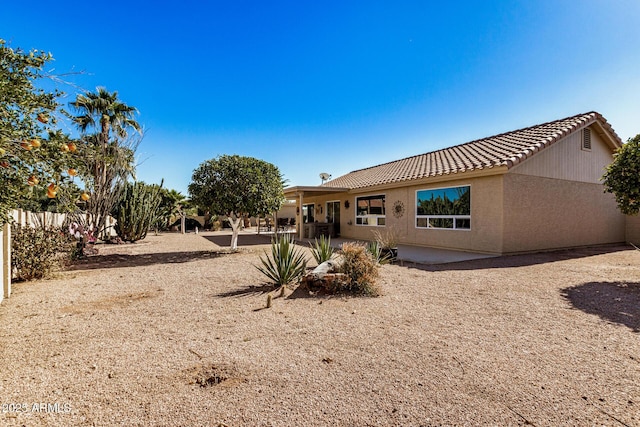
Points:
x=586, y=139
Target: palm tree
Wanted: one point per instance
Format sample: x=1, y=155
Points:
x=112, y=159
x=171, y=206
x=108, y=111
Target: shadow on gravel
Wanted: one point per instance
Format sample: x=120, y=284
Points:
x=300, y=291
x=617, y=302
x=141, y=260
x=224, y=240
x=248, y=291
x=509, y=261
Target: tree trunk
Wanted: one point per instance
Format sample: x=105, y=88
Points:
x=235, y=227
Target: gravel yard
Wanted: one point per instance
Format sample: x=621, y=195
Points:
x=170, y=332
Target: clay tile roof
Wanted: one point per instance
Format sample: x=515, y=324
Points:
x=506, y=149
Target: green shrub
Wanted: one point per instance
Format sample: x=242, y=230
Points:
x=361, y=270
x=287, y=264
x=322, y=250
x=37, y=251
x=622, y=177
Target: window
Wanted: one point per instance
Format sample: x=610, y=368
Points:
x=370, y=210
x=307, y=213
x=448, y=208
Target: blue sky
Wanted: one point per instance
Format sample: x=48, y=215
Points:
x=336, y=86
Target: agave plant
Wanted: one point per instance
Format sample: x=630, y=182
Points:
x=322, y=250
x=286, y=263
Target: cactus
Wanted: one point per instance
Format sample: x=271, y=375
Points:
x=137, y=210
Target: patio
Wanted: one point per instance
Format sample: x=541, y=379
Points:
x=406, y=253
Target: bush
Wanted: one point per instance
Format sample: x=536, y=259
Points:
x=361, y=270
x=36, y=252
x=322, y=250
x=286, y=264
x=622, y=177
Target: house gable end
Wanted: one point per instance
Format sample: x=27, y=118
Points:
x=580, y=156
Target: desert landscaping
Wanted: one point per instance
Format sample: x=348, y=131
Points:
x=173, y=331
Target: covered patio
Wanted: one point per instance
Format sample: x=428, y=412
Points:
x=298, y=194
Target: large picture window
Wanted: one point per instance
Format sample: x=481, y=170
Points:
x=448, y=208
x=370, y=210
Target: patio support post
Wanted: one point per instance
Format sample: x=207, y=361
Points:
x=300, y=224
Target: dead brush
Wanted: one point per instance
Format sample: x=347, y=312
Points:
x=361, y=270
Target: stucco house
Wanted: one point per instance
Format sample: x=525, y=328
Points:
x=530, y=189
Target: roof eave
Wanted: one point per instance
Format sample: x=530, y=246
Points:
x=317, y=190
x=469, y=174
x=606, y=132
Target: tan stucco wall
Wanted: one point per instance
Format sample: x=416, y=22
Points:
x=398, y=226
x=632, y=234
x=486, y=217
x=544, y=213
x=485, y=234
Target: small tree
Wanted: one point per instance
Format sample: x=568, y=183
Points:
x=237, y=186
x=622, y=177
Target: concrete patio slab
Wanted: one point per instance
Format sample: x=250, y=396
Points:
x=424, y=255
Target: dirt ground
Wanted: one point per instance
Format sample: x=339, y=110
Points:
x=170, y=332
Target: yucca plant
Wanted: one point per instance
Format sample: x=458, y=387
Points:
x=322, y=250
x=286, y=264
x=378, y=254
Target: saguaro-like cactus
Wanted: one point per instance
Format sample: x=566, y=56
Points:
x=137, y=210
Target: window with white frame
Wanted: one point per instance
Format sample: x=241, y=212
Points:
x=446, y=208
x=370, y=210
